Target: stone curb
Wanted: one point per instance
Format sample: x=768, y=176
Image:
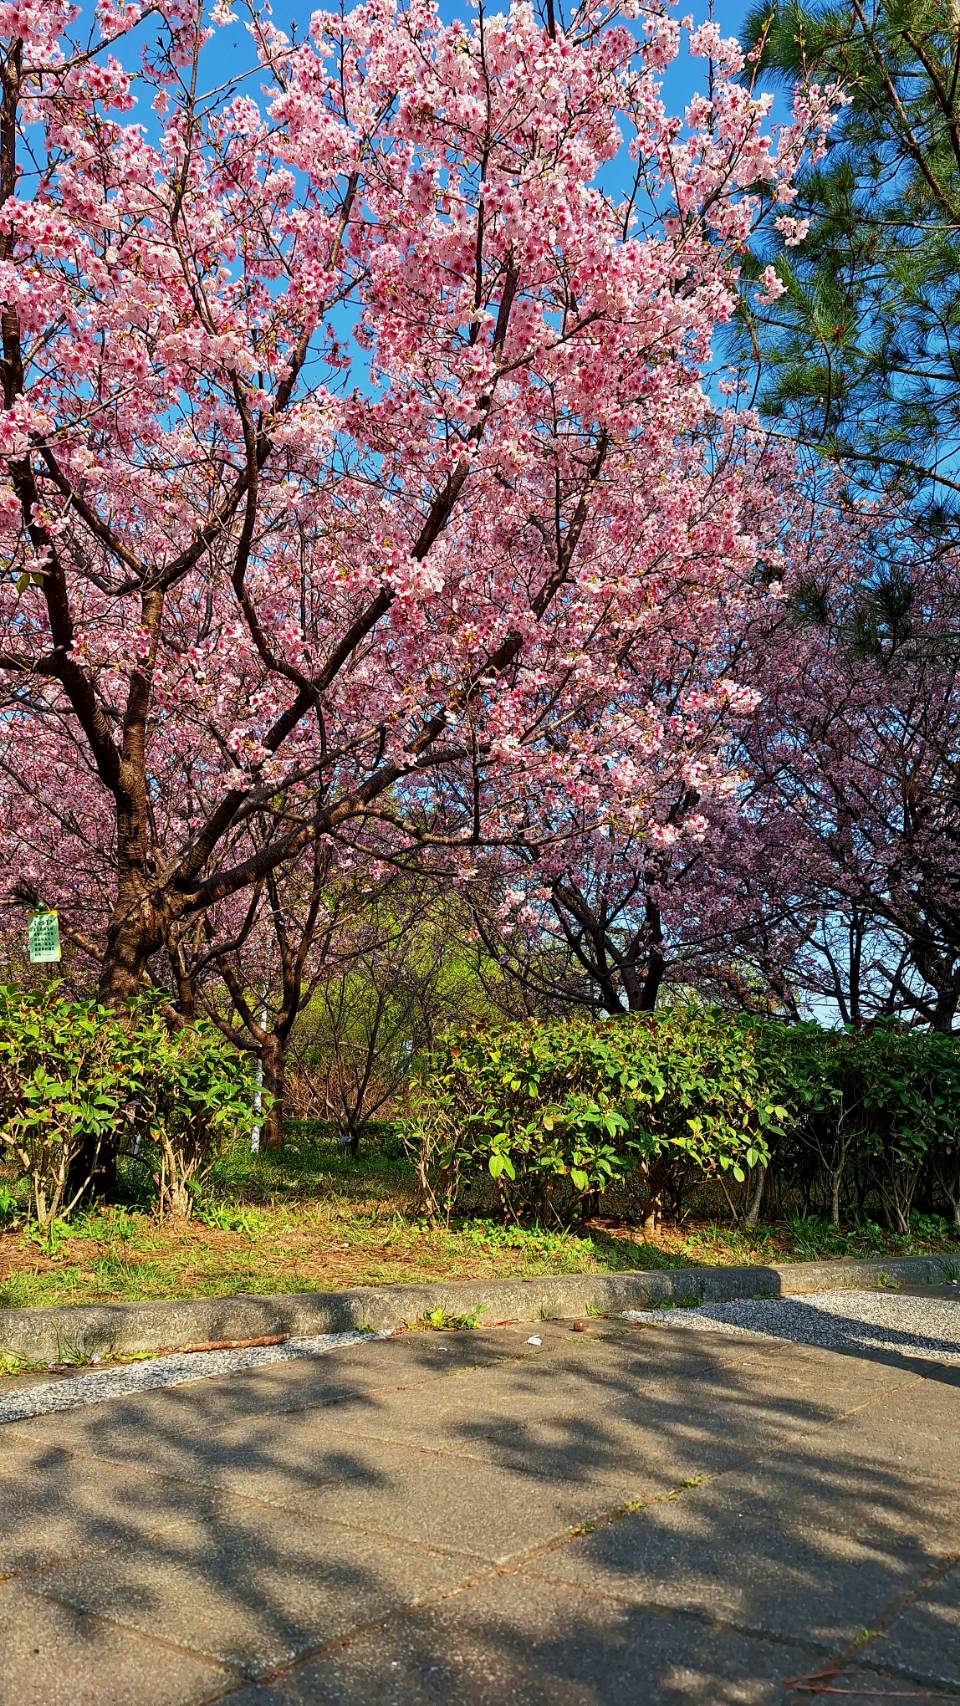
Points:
x=78, y=1331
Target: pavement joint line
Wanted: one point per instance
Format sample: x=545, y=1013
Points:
x=520, y=1561
x=235, y=1674
x=403, y=1613
x=375, y=1625
x=515, y=1562
x=688, y=1613
x=469, y=1456
x=564, y=1537
x=945, y=1690
x=601, y=1520
x=818, y=1686
x=493, y=1571
x=507, y=1568
x=258, y=1502
x=858, y=1651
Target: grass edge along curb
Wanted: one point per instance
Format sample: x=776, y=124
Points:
x=75, y=1332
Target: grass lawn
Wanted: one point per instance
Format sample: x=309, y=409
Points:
x=312, y=1219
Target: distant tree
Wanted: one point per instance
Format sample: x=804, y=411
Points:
x=856, y=753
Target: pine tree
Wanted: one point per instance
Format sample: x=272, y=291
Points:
x=860, y=357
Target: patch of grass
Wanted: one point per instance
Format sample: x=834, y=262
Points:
x=232, y=1217
x=441, y=1321
x=15, y=1291
x=314, y=1219
x=12, y=1366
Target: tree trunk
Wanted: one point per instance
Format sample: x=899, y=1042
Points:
x=753, y=1212
x=133, y=935
x=642, y=997
x=653, y=1213
x=274, y=1072
x=835, y=1182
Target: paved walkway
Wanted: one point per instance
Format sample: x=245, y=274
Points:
x=622, y=1515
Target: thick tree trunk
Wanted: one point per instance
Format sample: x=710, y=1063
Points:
x=274, y=1072
x=133, y=935
x=642, y=996
x=945, y=1013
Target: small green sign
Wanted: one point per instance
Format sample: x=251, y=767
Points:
x=43, y=935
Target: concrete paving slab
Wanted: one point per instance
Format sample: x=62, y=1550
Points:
x=916, y=1435
x=804, y=1487
x=924, y=1640
x=539, y=1645
x=215, y=1401
x=132, y=1436
x=600, y=1409
x=54, y=1507
x=253, y=1587
x=701, y=1552
x=437, y=1500
x=326, y=1518
x=411, y=1490
x=53, y=1655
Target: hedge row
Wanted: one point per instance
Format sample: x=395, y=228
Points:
x=547, y=1117
x=81, y=1084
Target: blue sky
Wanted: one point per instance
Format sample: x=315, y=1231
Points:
x=231, y=48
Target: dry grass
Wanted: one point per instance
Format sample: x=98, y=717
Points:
x=311, y=1219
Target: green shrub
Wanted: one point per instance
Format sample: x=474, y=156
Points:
x=79, y=1081
x=195, y=1093
x=64, y=1085
x=556, y=1113
x=871, y=1112
x=543, y=1118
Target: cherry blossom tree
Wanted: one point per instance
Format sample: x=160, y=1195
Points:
x=603, y=910
x=856, y=751
x=352, y=427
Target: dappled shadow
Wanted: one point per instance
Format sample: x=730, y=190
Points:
x=617, y=1515
x=802, y=1321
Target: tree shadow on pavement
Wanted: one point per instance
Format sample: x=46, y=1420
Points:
x=650, y=1515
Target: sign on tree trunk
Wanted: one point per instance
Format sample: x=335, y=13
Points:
x=43, y=935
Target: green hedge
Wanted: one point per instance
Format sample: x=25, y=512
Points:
x=548, y=1116
x=80, y=1083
